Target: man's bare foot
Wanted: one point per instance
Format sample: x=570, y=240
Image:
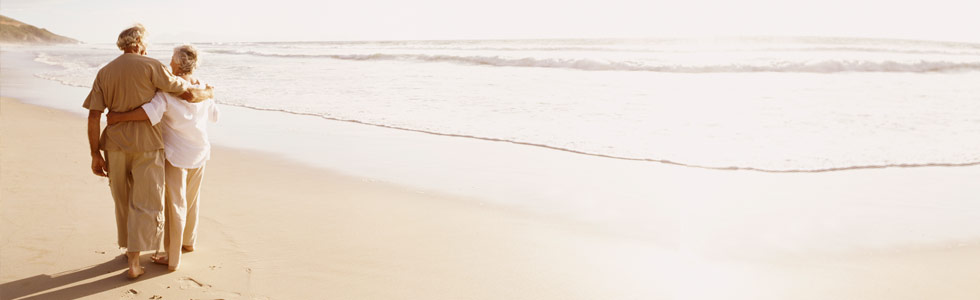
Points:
x=188, y=248
x=134, y=265
x=135, y=273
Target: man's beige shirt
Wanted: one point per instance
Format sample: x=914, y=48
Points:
x=125, y=84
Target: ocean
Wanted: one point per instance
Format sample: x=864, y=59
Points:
x=620, y=135
x=786, y=104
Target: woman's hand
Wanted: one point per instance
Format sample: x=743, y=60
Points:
x=113, y=117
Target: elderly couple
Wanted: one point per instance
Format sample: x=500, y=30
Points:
x=155, y=147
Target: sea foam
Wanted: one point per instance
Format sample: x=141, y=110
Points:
x=587, y=64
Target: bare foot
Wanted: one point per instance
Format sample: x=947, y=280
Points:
x=134, y=265
x=135, y=273
x=188, y=248
x=160, y=260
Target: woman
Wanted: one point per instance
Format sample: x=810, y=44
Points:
x=186, y=149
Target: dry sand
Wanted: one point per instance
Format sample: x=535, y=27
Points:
x=274, y=229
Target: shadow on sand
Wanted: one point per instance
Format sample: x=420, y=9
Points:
x=51, y=286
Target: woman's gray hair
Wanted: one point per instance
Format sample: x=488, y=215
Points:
x=186, y=58
x=132, y=37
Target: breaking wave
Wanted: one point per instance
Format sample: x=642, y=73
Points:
x=586, y=64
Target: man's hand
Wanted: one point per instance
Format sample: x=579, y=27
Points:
x=187, y=96
x=196, y=95
x=99, y=166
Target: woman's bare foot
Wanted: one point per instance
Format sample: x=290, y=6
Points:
x=188, y=248
x=160, y=259
x=163, y=260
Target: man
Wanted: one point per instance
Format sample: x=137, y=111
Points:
x=134, y=159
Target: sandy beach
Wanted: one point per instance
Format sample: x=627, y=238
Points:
x=274, y=229
x=298, y=207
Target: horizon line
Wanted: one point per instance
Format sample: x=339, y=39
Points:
x=692, y=37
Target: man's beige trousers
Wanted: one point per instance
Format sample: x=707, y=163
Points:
x=136, y=180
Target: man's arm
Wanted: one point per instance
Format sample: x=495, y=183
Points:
x=166, y=81
x=99, y=166
x=196, y=95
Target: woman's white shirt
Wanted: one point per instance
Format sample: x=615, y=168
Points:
x=184, y=126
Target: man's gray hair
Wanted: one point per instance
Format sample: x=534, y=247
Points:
x=186, y=58
x=132, y=37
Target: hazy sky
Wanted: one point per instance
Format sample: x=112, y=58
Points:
x=99, y=21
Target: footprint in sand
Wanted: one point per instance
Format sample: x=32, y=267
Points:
x=187, y=282
x=130, y=294
x=191, y=283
